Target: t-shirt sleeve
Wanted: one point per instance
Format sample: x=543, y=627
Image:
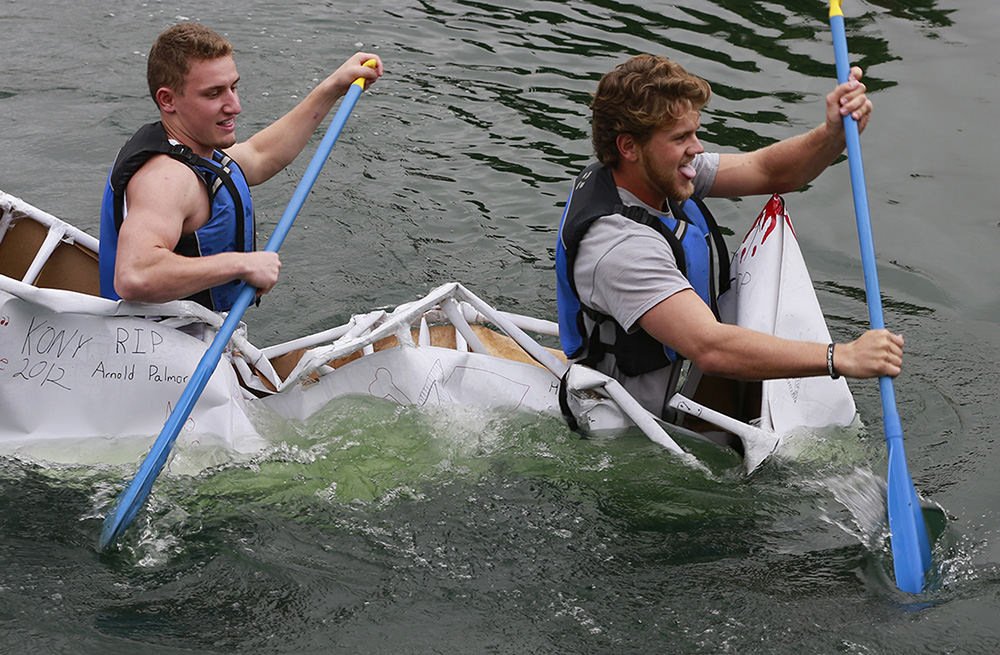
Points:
x=706, y=165
x=624, y=269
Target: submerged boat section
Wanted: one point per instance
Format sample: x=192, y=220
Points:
x=86, y=379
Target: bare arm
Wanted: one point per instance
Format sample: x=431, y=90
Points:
x=274, y=147
x=165, y=200
x=790, y=164
x=685, y=323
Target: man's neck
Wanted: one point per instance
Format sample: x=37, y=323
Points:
x=175, y=134
x=629, y=178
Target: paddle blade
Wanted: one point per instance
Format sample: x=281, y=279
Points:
x=121, y=514
x=911, y=551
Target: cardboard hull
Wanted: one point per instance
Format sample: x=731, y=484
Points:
x=771, y=292
x=85, y=379
x=70, y=377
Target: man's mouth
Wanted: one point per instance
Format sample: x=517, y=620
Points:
x=687, y=170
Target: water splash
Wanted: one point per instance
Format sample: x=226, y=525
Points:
x=862, y=494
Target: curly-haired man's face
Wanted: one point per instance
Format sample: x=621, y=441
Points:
x=665, y=159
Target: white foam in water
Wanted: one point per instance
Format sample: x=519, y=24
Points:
x=834, y=445
x=158, y=533
x=862, y=493
x=467, y=429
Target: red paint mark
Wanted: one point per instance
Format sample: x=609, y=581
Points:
x=753, y=227
x=772, y=223
x=765, y=224
x=788, y=222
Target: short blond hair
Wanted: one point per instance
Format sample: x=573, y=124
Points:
x=639, y=96
x=170, y=57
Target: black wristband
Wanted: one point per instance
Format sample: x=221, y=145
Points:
x=829, y=362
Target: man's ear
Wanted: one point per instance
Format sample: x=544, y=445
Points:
x=627, y=147
x=165, y=99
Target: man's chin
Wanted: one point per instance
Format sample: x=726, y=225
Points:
x=228, y=142
x=680, y=195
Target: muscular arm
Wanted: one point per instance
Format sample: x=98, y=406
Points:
x=790, y=164
x=686, y=324
x=274, y=147
x=165, y=200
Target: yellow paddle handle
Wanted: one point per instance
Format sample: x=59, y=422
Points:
x=361, y=81
x=835, y=8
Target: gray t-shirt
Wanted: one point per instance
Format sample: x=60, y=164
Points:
x=624, y=269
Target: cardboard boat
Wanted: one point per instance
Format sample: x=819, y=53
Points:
x=85, y=379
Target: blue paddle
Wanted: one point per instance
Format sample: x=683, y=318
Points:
x=129, y=502
x=911, y=550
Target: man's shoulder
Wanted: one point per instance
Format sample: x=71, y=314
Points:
x=169, y=187
x=615, y=232
x=164, y=170
x=620, y=224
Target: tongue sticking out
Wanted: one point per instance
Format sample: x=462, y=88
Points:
x=687, y=171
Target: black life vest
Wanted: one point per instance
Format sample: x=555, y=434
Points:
x=230, y=227
x=694, y=238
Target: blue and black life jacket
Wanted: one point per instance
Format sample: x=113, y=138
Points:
x=230, y=227
x=694, y=238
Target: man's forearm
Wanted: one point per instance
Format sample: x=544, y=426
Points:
x=735, y=352
x=744, y=354
x=172, y=276
x=795, y=162
x=780, y=167
x=278, y=144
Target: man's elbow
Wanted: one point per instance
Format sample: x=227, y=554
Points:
x=135, y=288
x=711, y=361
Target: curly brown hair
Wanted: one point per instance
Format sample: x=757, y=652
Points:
x=639, y=96
x=169, y=58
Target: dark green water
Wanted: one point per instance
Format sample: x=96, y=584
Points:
x=383, y=530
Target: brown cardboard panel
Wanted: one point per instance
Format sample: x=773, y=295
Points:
x=70, y=266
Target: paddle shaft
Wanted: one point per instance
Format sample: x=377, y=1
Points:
x=132, y=499
x=911, y=548
x=876, y=317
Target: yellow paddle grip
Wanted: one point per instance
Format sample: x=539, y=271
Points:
x=361, y=81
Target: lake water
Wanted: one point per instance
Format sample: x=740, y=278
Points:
x=377, y=530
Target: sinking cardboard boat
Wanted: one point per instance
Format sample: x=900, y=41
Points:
x=86, y=379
